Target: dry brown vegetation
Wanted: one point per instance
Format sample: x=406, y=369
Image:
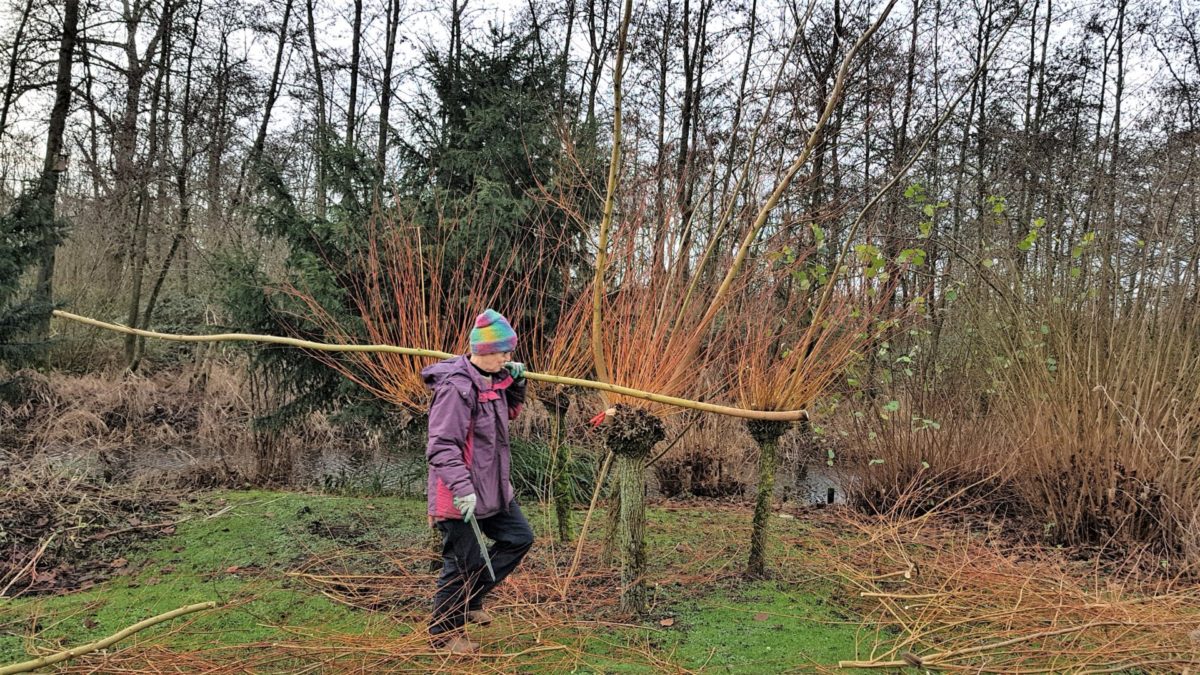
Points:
x=1080, y=423
x=939, y=595
x=195, y=429
x=61, y=530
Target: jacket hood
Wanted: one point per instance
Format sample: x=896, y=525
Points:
x=437, y=373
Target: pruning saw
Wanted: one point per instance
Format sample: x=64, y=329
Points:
x=483, y=549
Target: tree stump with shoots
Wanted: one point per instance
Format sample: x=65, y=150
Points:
x=631, y=434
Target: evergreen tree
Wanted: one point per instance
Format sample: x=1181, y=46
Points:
x=491, y=148
x=319, y=264
x=24, y=231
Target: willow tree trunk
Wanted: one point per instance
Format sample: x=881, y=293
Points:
x=560, y=473
x=631, y=435
x=766, y=434
x=629, y=472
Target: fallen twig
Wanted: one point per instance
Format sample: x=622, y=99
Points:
x=29, y=565
x=131, y=528
x=43, y=661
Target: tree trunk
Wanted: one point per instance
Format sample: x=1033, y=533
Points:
x=561, y=477
x=766, y=435
x=217, y=131
x=92, y=153
x=181, y=187
x=598, y=41
x=740, y=106
x=385, y=97
x=630, y=435
x=661, y=219
x=260, y=139
x=355, y=57
x=629, y=472
x=566, y=57
x=51, y=166
x=322, y=118
x=1112, y=237
x=138, y=252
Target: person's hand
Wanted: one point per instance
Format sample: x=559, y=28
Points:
x=516, y=369
x=466, y=505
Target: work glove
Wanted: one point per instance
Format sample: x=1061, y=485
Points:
x=466, y=505
x=516, y=369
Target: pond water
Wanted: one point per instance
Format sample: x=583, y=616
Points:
x=812, y=483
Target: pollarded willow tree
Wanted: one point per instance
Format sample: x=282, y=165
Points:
x=651, y=339
x=794, y=334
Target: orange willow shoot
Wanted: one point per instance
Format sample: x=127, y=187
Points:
x=565, y=351
x=784, y=360
x=643, y=347
x=407, y=293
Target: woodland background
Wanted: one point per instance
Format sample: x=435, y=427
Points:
x=217, y=166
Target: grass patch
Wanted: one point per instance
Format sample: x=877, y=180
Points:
x=763, y=627
x=237, y=547
x=237, y=558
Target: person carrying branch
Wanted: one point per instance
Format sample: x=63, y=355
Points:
x=470, y=492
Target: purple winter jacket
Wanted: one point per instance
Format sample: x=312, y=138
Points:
x=468, y=437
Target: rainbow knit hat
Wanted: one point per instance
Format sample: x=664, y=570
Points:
x=492, y=334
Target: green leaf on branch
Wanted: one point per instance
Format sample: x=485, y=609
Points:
x=916, y=256
x=818, y=235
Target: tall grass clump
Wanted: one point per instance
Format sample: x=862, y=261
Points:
x=1104, y=411
x=1074, y=405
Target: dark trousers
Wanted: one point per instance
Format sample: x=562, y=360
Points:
x=464, y=581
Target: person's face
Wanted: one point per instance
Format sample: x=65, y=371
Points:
x=492, y=363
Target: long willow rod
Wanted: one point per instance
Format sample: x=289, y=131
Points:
x=774, y=415
x=610, y=193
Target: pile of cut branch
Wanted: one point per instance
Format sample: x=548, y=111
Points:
x=940, y=596
x=61, y=530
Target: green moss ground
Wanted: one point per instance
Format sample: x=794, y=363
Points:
x=240, y=556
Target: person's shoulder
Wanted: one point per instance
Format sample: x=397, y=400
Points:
x=459, y=382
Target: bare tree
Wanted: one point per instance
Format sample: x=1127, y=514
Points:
x=10, y=84
x=54, y=162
